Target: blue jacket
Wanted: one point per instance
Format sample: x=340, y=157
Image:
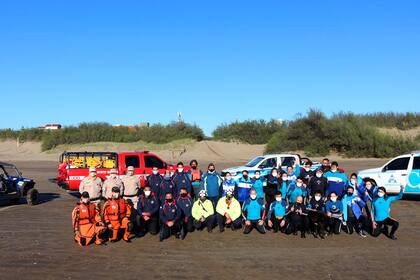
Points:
x=253, y=209
x=231, y=184
x=278, y=208
x=294, y=192
x=258, y=185
x=211, y=183
x=181, y=180
x=169, y=212
x=185, y=205
x=355, y=202
x=283, y=188
x=381, y=206
x=154, y=182
x=335, y=208
x=243, y=188
x=166, y=186
x=337, y=182
x=148, y=204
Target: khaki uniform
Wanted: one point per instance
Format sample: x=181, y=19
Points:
x=131, y=188
x=112, y=181
x=92, y=185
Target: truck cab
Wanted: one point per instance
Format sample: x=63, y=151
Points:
x=402, y=170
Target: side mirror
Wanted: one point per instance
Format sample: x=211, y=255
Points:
x=165, y=165
x=384, y=169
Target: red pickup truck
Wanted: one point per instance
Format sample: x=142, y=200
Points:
x=74, y=166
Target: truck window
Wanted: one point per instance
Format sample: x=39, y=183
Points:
x=269, y=163
x=416, y=163
x=151, y=161
x=133, y=161
x=288, y=161
x=398, y=164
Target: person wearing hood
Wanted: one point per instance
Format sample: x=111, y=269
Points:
x=337, y=180
x=229, y=212
x=244, y=185
x=154, y=180
x=148, y=213
x=228, y=184
x=271, y=188
x=353, y=218
x=180, y=179
x=195, y=175
x=382, y=213
x=87, y=222
x=185, y=204
x=203, y=212
x=277, y=213
x=253, y=211
x=212, y=184
x=166, y=186
x=298, y=218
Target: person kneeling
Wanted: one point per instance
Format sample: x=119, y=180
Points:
x=203, y=212
x=253, y=212
x=117, y=214
x=170, y=218
x=298, y=219
x=276, y=213
x=229, y=212
x=87, y=222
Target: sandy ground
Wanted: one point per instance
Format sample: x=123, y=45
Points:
x=36, y=243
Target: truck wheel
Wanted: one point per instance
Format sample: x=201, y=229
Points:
x=32, y=197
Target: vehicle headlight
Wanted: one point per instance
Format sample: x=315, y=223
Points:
x=21, y=183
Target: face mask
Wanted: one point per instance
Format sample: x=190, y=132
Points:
x=92, y=174
x=349, y=193
x=194, y=167
x=130, y=173
x=116, y=195
x=155, y=172
x=381, y=194
x=333, y=199
x=298, y=202
x=278, y=199
x=169, y=200
x=113, y=176
x=299, y=185
x=85, y=200
x=274, y=174
x=183, y=194
x=147, y=193
x=211, y=170
x=202, y=198
x=317, y=198
x=228, y=178
x=245, y=176
x=180, y=170
x=253, y=196
x=353, y=181
x=257, y=176
x=319, y=175
x=229, y=196
x=167, y=178
x=368, y=187
x=284, y=179
x=333, y=170
x=307, y=169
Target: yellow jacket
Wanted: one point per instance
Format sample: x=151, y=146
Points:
x=234, y=210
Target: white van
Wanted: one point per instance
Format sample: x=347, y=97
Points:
x=402, y=170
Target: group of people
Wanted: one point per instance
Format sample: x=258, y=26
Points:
x=301, y=200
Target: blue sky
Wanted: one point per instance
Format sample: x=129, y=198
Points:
x=126, y=62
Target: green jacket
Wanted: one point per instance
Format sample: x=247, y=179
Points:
x=202, y=209
x=234, y=210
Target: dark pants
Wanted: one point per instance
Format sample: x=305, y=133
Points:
x=383, y=226
x=268, y=200
x=297, y=222
x=209, y=222
x=214, y=200
x=335, y=225
x=150, y=226
x=166, y=231
x=254, y=224
x=354, y=224
x=276, y=223
x=186, y=226
x=195, y=190
x=236, y=224
x=317, y=222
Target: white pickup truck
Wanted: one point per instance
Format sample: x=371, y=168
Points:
x=402, y=170
x=266, y=163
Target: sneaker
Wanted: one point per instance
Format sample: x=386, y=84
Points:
x=393, y=237
x=362, y=234
x=221, y=230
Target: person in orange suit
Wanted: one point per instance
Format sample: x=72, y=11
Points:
x=117, y=214
x=87, y=223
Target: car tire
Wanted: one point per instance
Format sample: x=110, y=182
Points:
x=32, y=197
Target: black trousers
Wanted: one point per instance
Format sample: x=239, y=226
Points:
x=209, y=223
x=297, y=222
x=335, y=225
x=166, y=231
x=354, y=224
x=221, y=220
x=150, y=226
x=254, y=224
x=383, y=226
x=317, y=222
x=276, y=223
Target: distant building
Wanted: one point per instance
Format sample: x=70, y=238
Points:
x=52, y=126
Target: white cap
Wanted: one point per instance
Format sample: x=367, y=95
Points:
x=92, y=169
